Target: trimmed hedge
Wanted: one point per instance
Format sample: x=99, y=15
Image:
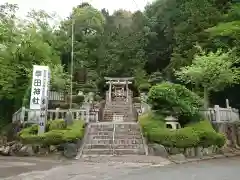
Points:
x=56, y=125
x=194, y=135
x=57, y=133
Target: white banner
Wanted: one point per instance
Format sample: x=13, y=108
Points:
x=40, y=81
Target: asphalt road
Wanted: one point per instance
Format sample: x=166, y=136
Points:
x=30, y=169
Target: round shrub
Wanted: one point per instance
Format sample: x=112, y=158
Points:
x=97, y=98
x=78, y=99
x=174, y=99
x=144, y=87
x=185, y=138
x=220, y=140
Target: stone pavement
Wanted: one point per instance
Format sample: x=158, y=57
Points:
x=142, y=159
x=218, y=169
x=35, y=168
x=11, y=166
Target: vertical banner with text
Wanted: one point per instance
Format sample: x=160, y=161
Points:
x=39, y=94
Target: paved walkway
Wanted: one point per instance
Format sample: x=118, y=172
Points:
x=12, y=166
x=218, y=169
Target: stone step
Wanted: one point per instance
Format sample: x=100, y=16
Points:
x=100, y=133
x=125, y=114
x=133, y=125
x=116, y=132
x=121, y=112
x=124, y=137
x=130, y=131
x=112, y=106
x=127, y=133
x=95, y=130
x=93, y=137
x=128, y=141
x=109, y=149
x=116, y=141
x=98, y=151
x=118, y=109
x=124, y=106
x=129, y=151
x=116, y=136
x=98, y=146
x=128, y=146
x=100, y=128
x=105, y=127
x=132, y=128
x=117, y=104
x=100, y=141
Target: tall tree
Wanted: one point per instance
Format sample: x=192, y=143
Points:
x=212, y=71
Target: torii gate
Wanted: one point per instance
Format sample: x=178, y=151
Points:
x=124, y=82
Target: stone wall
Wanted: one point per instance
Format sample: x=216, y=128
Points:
x=160, y=150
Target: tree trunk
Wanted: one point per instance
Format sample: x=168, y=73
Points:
x=206, y=98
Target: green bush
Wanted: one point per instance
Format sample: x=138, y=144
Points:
x=33, y=129
x=197, y=134
x=74, y=131
x=78, y=99
x=56, y=124
x=207, y=134
x=136, y=100
x=174, y=99
x=97, y=98
x=54, y=137
x=144, y=87
x=56, y=134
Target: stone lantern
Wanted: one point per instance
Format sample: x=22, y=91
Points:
x=172, y=122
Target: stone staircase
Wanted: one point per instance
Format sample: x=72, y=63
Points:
x=119, y=107
x=108, y=138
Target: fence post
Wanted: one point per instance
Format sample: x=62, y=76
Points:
x=227, y=103
x=97, y=116
x=57, y=113
x=22, y=116
x=77, y=115
x=217, y=113
x=87, y=113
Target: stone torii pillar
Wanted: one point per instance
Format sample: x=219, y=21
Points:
x=127, y=90
x=110, y=91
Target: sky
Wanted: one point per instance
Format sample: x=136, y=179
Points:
x=63, y=7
